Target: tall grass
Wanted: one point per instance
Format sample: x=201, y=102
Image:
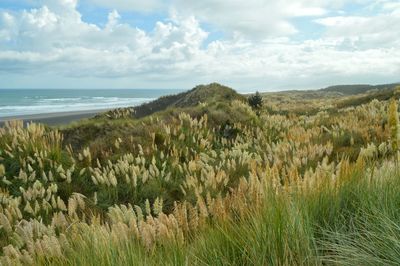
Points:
x=265, y=190
x=354, y=221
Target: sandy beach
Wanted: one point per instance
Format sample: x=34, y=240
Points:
x=54, y=119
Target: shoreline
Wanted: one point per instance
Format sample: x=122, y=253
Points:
x=56, y=118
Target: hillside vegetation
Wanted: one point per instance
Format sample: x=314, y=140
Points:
x=201, y=178
x=330, y=99
x=201, y=94
x=359, y=89
x=215, y=100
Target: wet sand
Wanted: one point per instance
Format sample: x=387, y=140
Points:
x=54, y=119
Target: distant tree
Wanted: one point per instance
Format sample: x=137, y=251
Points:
x=255, y=101
x=393, y=120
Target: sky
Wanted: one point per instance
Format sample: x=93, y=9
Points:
x=248, y=45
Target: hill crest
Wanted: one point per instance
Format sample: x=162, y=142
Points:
x=213, y=92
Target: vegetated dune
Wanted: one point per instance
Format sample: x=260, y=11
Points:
x=330, y=99
x=202, y=178
x=213, y=99
x=213, y=92
x=359, y=89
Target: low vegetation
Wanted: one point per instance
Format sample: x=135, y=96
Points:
x=206, y=180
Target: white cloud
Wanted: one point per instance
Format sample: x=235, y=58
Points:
x=380, y=30
x=113, y=19
x=53, y=40
x=61, y=43
x=256, y=19
x=250, y=18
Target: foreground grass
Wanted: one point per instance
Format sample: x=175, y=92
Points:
x=353, y=222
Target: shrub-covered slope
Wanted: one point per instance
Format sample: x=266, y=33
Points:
x=359, y=89
x=215, y=100
x=213, y=92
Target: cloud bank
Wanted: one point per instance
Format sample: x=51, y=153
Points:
x=262, y=44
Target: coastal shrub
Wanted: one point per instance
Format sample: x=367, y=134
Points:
x=255, y=101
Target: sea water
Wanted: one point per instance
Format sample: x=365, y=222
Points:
x=16, y=102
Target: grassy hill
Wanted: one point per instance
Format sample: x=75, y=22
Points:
x=200, y=178
x=214, y=100
x=330, y=99
x=359, y=89
x=213, y=92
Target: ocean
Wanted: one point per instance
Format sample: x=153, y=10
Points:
x=16, y=102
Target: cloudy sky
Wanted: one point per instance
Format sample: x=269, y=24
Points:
x=252, y=44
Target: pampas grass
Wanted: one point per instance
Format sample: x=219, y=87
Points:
x=275, y=190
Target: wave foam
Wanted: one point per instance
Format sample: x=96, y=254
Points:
x=54, y=105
